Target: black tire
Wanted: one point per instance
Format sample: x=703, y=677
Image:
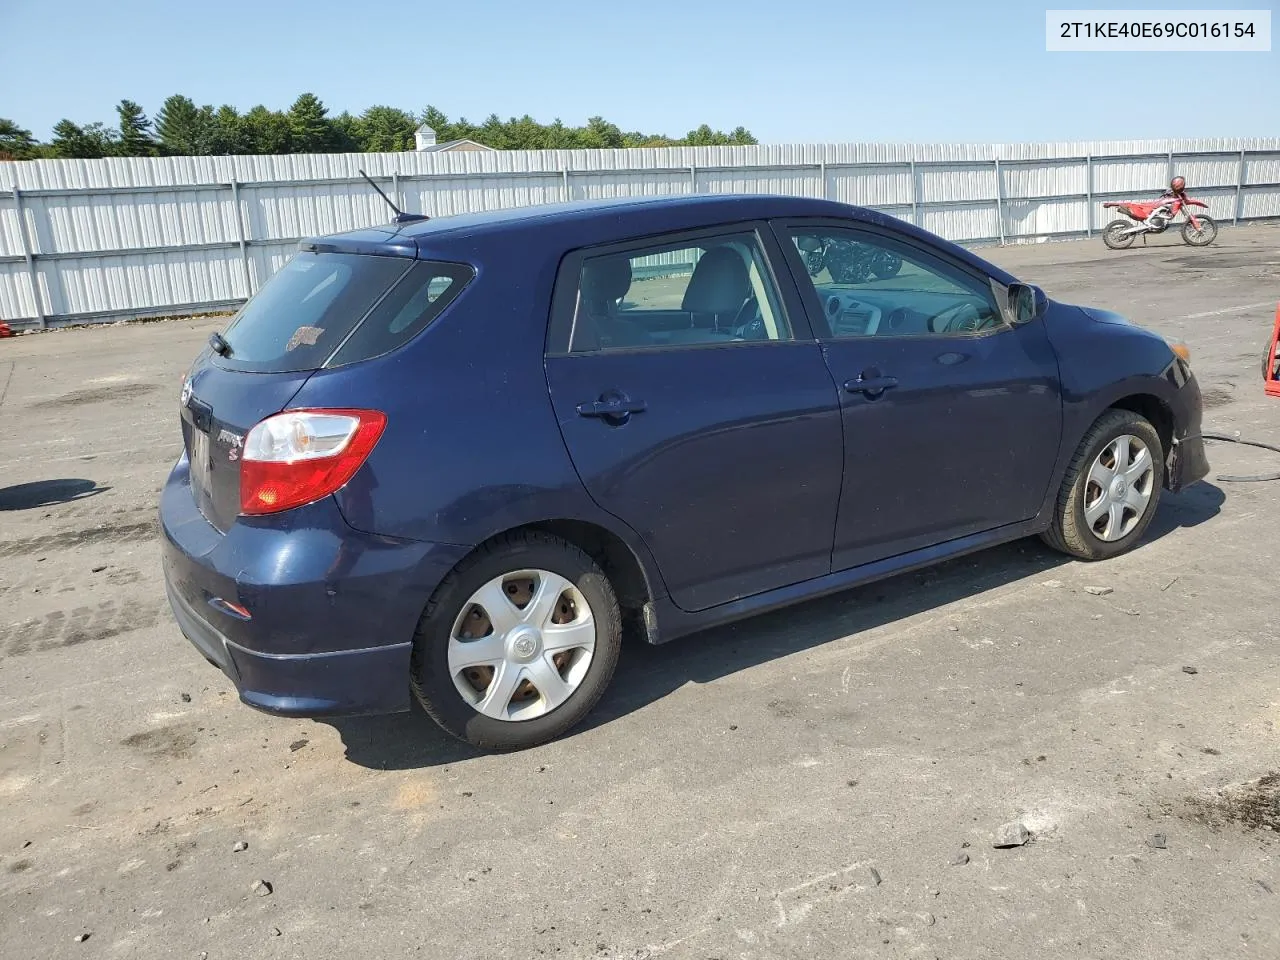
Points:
x=1206, y=235
x=1070, y=532
x=1111, y=235
x=885, y=265
x=429, y=668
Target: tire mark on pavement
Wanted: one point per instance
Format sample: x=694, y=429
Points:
x=110, y=618
x=111, y=533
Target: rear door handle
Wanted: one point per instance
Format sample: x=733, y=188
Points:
x=871, y=386
x=616, y=408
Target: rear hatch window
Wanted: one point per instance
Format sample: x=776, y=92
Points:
x=325, y=309
x=321, y=310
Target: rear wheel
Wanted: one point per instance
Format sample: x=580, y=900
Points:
x=518, y=643
x=1202, y=236
x=1111, y=489
x=1114, y=235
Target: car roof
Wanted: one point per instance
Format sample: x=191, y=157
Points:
x=560, y=227
x=682, y=212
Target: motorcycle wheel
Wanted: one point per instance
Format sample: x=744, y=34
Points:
x=1114, y=237
x=1207, y=233
x=885, y=265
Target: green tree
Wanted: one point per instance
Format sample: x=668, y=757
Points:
x=266, y=131
x=346, y=133
x=386, y=129
x=15, y=142
x=599, y=134
x=183, y=128
x=441, y=124
x=227, y=134
x=74, y=142
x=309, y=128
x=135, y=131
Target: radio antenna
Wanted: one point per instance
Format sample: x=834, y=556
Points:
x=400, y=217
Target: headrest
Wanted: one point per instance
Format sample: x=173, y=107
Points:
x=605, y=278
x=720, y=283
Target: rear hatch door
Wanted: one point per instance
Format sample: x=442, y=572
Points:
x=301, y=318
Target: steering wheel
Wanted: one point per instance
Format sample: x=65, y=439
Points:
x=749, y=323
x=963, y=317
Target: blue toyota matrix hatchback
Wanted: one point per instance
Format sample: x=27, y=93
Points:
x=452, y=459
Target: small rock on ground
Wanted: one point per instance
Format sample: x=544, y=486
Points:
x=275, y=932
x=1158, y=841
x=240, y=847
x=261, y=887
x=81, y=937
x=1191, y=670
x=1099, y=591
x=1011, y=835
x=875, y=877
x=960, y=859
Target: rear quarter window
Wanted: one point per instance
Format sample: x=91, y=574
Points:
x=327, y=309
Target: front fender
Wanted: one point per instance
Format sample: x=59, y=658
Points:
x=1104, y=361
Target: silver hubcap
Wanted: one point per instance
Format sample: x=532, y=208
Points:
x=521, y=645
x=1119, y=489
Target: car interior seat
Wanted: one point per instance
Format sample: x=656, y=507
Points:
x=718, y=293
x=604, y=282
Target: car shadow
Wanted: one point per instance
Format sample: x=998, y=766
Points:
x=47, y=493
x=647, y=673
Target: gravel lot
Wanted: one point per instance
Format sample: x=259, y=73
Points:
x=798, y=785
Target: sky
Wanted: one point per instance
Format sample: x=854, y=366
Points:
x=816, y=71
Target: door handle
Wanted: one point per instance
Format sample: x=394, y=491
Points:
x=615, y=408
x=871, y=386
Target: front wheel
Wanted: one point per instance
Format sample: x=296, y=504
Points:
x=1202, y=236
x=1111, y=489
x=1114, y=235
x=517, y=644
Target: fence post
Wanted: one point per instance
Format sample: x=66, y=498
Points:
x=999, y=203
x=395, y=189
x=693, y=178
x=564, y=175
x=241, y=238
x=1170, y=177
x=915, y=214
x=27, y=254
x=822, y=173
x=1235, y=217
x=1088, y=194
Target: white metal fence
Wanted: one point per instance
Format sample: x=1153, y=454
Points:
x=84, y=240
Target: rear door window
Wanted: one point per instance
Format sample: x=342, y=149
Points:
x=327, y=308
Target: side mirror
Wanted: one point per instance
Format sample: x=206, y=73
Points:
x=1027, y=302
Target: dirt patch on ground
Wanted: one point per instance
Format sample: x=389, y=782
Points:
x=1216, y=397
x=110, y=533
x=1255, y=805
x=119, y=391
x=173, y=742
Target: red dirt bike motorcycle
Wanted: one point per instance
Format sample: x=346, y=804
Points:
x=1199, y=230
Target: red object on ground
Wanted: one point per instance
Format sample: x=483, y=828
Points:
x=1272, y=384
x=5, y=330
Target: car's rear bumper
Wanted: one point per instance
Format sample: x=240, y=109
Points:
x=331, y=611
x=338, y=683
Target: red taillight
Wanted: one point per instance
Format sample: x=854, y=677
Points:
x=299, y=456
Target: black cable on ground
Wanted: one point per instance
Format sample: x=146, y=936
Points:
x=1252, y=478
